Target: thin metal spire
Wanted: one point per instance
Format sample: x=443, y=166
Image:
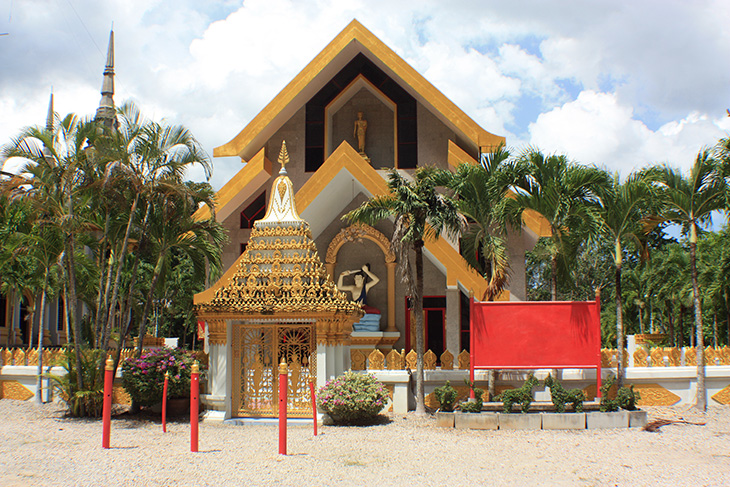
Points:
x=106, y=113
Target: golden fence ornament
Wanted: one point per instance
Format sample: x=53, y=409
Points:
x=376, y=360
x=657, y=357
x=429, y=360
x=32, y=356
x=411, y=360
x=640, y=356
x=690, y=356
x=357, y=360
x=6, y=355
x=725, y=355
x=447, y=360
x=711, y=356
x=394, y=360
x=464, y=360
x=19, y=357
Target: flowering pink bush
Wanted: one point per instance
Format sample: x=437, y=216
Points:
x=353, y=398
x=144, y=378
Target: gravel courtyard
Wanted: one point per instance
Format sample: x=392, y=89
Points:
x=39, y=446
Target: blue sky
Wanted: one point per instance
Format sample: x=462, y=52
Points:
x=618, y=84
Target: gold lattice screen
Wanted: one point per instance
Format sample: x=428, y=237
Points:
x=258, y=349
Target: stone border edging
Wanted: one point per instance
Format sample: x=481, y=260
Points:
x=546, y=421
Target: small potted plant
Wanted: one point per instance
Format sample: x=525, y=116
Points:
x=446, y=396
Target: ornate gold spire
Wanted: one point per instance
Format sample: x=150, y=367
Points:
x=280, y=270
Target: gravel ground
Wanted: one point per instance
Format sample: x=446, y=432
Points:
x=39, y=446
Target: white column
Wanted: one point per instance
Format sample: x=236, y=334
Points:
x=321, y=365
x=453, y=320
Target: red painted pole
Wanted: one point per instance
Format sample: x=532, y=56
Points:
x=314, y=404
x=471, y=346
x=598, y=325
x=107, y=410
x=283, y=383
x=194, y=398
x=164, y=403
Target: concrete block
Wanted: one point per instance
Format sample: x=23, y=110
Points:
x=563, y=421
x=520, y=421
x=476, y=421
x=638, y=419
x=445, y=419
x=599, y=420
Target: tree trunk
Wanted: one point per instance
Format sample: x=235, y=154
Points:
x=39, y=380
x=148, y=303
x=418, y=311
x=670, y=318
x=71, y=301
x=620, y=372
x=118, y=279
x=101, y=295
x=714, y=329
x=680, y=327
x=701, y=402
x=554, y=277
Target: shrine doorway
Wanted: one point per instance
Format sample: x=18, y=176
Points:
x=258, y=349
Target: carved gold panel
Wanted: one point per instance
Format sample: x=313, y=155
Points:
x=12, y=389
x=655, y=395
x=723, y=396
x=257, y=351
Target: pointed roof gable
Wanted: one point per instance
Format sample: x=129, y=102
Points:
x=354, y=39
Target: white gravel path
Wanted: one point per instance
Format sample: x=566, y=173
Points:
x=38, y=446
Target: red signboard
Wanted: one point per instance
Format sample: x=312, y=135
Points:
x=536, y=335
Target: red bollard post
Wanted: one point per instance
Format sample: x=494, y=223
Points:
x=107, y=410
x=314, y=404
x=194, y=398
x=164, y=403
x=283, y=383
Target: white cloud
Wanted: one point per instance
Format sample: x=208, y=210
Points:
x=596, y=128
x=214, y=65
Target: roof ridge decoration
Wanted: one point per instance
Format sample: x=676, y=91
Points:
x=280, y=271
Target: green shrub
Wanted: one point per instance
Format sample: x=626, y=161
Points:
x=144, y=378
x=446, y=396
x=608, y=405
x=521, y=396
x=627, y=397
x=352, y=398
x=85, y=402
x=560, y=396
x=473, y=406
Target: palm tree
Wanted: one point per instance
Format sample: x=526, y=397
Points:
x=53, y=179
x=690, y=202
x=172, y=226
x=420, y=213
x=563, y=193
x=150, y=158
x=620, y=213
x=480, y=191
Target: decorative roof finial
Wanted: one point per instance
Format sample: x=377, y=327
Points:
x=283, y=158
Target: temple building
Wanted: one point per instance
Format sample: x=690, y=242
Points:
x=354, y=112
